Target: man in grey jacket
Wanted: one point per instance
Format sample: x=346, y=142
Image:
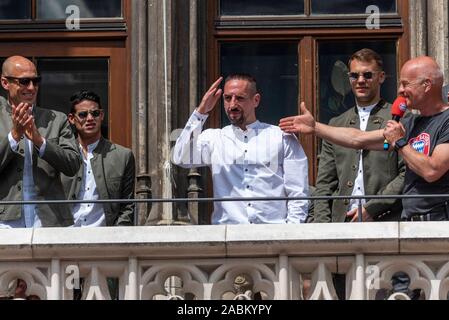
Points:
x=107, y=170
x=346, y=172
x=36, y=146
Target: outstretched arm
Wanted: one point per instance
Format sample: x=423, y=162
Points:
x=346, y=137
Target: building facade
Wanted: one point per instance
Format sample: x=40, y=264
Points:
x=151, y=61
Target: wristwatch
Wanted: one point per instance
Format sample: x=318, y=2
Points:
x=399, y=144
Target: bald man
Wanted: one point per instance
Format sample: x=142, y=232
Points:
x=36, y=145
x=421, y=139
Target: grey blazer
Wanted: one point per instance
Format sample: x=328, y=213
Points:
x=114, y=172
x=61, y=156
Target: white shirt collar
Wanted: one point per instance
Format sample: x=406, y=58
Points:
x=91, y=147
x=367, y=108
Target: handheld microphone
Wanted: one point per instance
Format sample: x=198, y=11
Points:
x=397, y=111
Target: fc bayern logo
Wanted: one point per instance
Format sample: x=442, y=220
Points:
x=421, y=143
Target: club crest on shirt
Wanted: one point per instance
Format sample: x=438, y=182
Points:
x=421, y=143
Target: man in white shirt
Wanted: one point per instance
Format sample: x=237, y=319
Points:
x=248, y=158
x=107, y=170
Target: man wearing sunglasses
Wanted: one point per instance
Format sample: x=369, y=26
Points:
x=36, y=146
x=107, y=171
x=343, y=171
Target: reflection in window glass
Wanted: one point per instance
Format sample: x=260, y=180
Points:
x=335, y=95
x=261, y=7
x=51, y=9
x=275, y=67
x=15, y=9
x=63, y=77
x=351, y=6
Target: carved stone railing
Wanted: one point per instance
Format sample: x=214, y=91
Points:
x=229, y=262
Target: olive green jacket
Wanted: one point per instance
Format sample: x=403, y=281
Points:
x=60, y=156
x=383, y=172
x=113, y=167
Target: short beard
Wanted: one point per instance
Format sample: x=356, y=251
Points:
x=236, y=122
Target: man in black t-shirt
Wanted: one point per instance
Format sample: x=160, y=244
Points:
x=423, y=140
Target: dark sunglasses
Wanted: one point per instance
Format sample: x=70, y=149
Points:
x=84, y=114
x=26, y=81
x=368, y=75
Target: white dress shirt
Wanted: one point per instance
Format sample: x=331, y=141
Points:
x=88, y=214
x=259, y=162
x=29, y=218
x=359, y=185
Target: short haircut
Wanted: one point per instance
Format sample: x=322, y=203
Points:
x=367, y=55
x=81, y=95
x=246, y=77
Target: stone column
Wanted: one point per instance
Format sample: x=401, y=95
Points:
x=418, y=27
x=165, y=66
x=429, y=31
x=437, y=28
x=139, y=87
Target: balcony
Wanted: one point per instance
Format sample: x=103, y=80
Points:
x=288, y=262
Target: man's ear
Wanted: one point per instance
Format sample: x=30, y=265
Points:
x=71, y=118
x=257, y=99
x=5, y=83
x=382, y=77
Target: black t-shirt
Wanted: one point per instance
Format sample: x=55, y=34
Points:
x=424, y=134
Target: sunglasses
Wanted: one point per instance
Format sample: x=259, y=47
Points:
x=368, y=75
x=26, y=81
x=84, y=114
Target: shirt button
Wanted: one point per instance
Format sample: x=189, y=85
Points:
x=79, y=179
x=246, y=170
x=249, y=204
x=88, y=172
x=247, y=187
x=350, y=184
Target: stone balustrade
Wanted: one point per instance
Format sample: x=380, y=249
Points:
x=228, y=262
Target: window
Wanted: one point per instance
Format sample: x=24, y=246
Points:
x=261, y=7
x=50, y=9
x=277, y=79
x=334, y=90
x=298, y=51
x=15, y=9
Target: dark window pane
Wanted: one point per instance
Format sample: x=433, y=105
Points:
x=335, y=95
x=351, y=6
x=261, y=7
x=63, y=77
x=51, y=9
x=275, y=67
x=15, y=9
